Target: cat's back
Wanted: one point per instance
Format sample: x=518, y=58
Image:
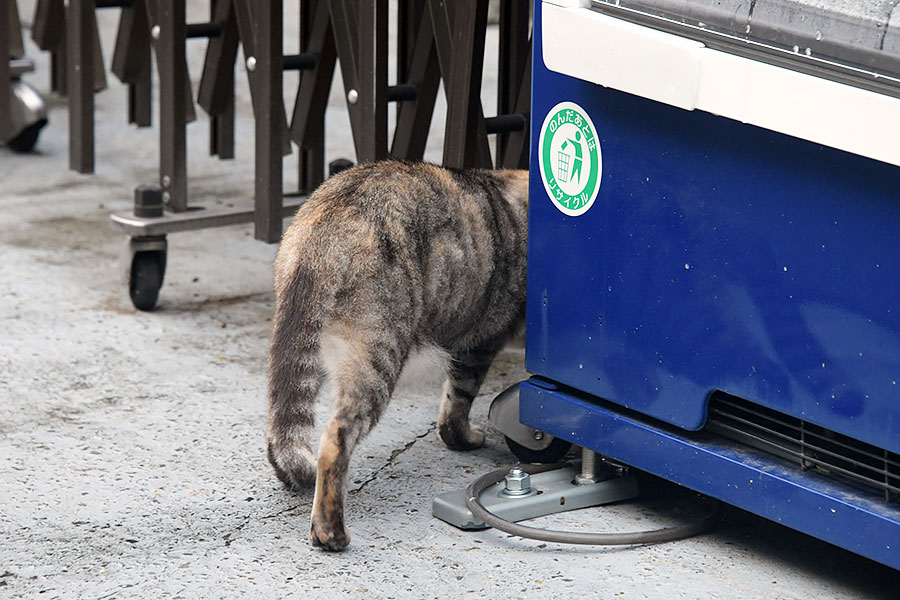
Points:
x=388, y=211
x=369, y=195
x=418, y=195
x=345, y=217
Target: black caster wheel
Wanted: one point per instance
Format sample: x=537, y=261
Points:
x=146, y=278
x=338, y=165
x=549, y=455
x=27, y=138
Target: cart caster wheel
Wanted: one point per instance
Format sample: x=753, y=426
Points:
x=338, y=165
x=549, y=455
x=146, y=278
x=27, y=138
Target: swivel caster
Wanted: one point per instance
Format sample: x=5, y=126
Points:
x=26, y=139
x=146, y=270
x=529, y=445
x=338, y=165
x=146, y=255
x=553, y=453
x=27, y=113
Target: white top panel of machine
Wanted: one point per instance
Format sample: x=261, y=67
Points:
x=685, y=73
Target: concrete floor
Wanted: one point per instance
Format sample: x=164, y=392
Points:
x=132, y=444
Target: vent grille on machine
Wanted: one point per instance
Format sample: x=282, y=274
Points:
x=809, y=446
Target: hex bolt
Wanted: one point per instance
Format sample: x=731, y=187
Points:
x=154, y=32
x=148, y=201
x=352, y=96
x=251, y=63
x=166, y=181
x=537, y=434
x=518, y=482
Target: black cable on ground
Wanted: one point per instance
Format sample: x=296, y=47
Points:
x=667, y=534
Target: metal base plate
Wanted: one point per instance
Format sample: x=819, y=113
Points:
x=20, y=66
x=192, y=219
x=555, y=492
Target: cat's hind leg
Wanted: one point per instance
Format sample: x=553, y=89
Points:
x=464, y=379
x=364, y=381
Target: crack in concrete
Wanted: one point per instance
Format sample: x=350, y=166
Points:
x=895, y=6
x=229, y=537
x=283, y=511
x=390, y=461
x=120, y=589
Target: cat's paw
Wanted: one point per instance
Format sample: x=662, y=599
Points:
x=327, y=537
x=456, y=438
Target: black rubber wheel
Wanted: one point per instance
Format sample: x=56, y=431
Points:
x=27, y=138
x=147, y=269
x=338, y=165
x=549, y=455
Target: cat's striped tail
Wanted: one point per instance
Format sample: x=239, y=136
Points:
x=295, y=375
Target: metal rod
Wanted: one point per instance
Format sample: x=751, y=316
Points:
x=411, y=15
x=216, y=90
x=589, y=463
x=423, y=71
x=140, y=107
x=505, y=123
x=172, y=104
x=308, y=123
x=221, y=124
x=49, y=33
x=346, y=37
x=192, y=220
x=408, y=17
x=114, y=3
x=132, y=62
x=14, y=31
x=99, y=70
x=372, y=63
x=403, y=92
x=48, y=27
x=513, y=55
x=142, y=91
x=221, y=133
x=465, y=139
x=305, y=158
x=589, y=470
x=517, y=149
x=270, y=134
x=80, y=36
x=59, y=68
x=5, y=26
x=300, y=62
x=203, y=30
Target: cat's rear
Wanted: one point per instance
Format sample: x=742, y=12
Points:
x=383, y=259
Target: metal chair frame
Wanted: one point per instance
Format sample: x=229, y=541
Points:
x=436, y=40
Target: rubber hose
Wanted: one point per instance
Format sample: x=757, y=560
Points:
x=657, y=536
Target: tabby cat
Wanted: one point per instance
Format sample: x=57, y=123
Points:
x=385, y=259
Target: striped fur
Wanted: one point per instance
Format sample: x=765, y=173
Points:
x=385, y=259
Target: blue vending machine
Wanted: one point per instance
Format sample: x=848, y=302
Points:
x=714, y=252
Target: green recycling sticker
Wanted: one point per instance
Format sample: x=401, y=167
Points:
x=570, y=159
